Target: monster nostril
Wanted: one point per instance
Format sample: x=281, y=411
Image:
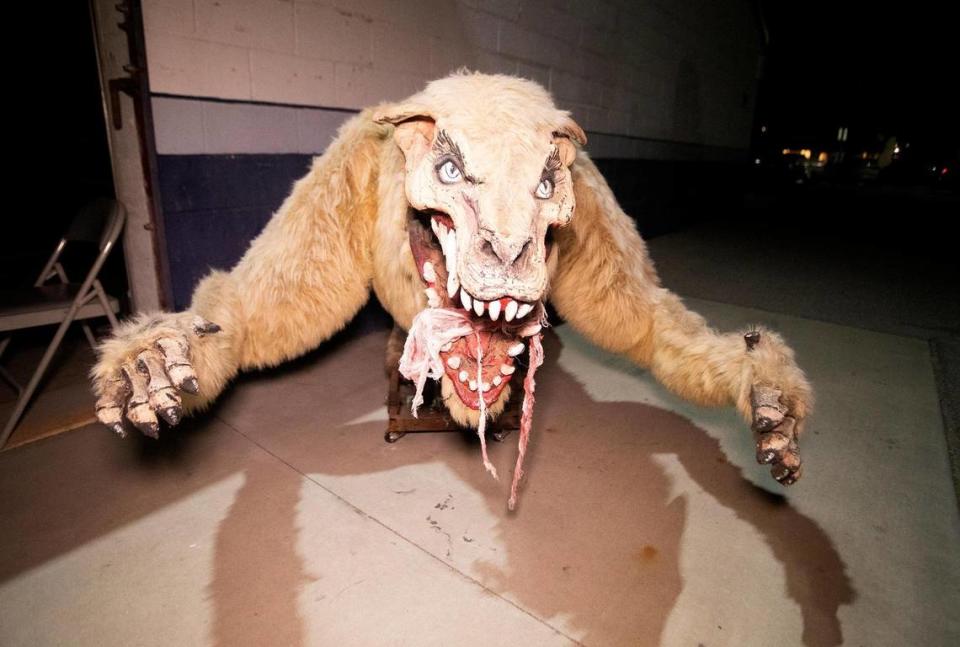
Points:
x=515, y=253
x=508, y=252
x=487, y=249
x=527, y=246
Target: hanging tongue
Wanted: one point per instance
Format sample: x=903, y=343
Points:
x=436, y=328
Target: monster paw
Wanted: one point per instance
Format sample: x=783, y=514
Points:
x=777, y=430
x=144, y=371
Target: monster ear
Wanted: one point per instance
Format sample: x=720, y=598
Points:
x=414, y=126
x=568, y=130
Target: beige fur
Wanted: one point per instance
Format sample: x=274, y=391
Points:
x=624, y=309
x=343, y=230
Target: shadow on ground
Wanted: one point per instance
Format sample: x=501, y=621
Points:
x=596, y=539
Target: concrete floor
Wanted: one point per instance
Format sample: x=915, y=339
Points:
x=64, y=400
x=282, y=518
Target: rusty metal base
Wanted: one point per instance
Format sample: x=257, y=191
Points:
x=433, y=416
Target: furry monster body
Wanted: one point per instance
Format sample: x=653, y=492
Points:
x=473, y=197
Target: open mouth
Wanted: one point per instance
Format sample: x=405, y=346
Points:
x=500, y=325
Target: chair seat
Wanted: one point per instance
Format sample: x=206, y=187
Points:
x=31, y=307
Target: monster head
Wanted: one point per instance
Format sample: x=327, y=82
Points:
x=487, y=178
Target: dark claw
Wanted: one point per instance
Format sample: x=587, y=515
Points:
x=784, y=475
x=151, y=429
x=171, y=415
x=190, y=385
x=763, y=423
x=766, y=457
x=119, y=430
x=206, y=328
x=790, y=478
x=752, y=338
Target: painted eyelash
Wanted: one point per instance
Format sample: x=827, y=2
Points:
x=444, y=146
x=552, y=167
x=553, y=163
x=448, y=151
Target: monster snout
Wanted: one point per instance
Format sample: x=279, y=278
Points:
x=507, y=250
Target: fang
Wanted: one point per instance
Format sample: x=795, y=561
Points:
x=428, y=272
x=452, y=285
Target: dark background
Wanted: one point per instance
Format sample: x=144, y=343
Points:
x=877, y=69
x=881, y=72
x=61, y=158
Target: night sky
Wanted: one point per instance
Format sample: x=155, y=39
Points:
x=871, y=68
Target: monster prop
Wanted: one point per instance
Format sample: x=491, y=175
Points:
x=464, y=208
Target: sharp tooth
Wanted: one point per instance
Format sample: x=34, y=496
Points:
x=433, y=299
x=485, y=387
x=435, y=226
x=473, y=385
x=445, y=247
x=465, y=300
x=478, y=307
x=428, y=272
x=446, y=348
x=494, y=310
x=506, y=369
x=516, y=349
x=453, y=362
x=452, y=285
x=530, y=332
x=463, y=376
x=511, y=310
x=497, y=380
x=451, y=252
x=524, y=310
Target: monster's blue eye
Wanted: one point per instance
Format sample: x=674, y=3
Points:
x=545, y=189
x=449, y=173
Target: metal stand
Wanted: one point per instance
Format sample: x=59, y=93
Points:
x=433, y=415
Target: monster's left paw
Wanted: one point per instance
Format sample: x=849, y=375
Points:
x=777, y=430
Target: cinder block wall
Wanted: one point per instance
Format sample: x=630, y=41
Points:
x=667, y=81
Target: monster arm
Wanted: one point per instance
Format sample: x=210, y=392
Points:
x=623, y=308
x=302, y=279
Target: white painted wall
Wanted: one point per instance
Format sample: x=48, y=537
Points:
x=127, y=165
x=679, y=71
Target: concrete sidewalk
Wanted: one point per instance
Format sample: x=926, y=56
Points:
x=282, y=518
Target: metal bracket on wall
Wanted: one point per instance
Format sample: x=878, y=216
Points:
x=136, y=85
x=130, y=85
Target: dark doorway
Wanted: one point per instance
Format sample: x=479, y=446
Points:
x=60, y=148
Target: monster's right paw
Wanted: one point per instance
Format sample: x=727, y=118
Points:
x=143, y=367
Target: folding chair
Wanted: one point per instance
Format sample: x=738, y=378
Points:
x=100, y=222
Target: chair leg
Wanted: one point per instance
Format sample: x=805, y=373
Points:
x=105, y=302
x=4, y=374
x=91, y=338
x=24, y=398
